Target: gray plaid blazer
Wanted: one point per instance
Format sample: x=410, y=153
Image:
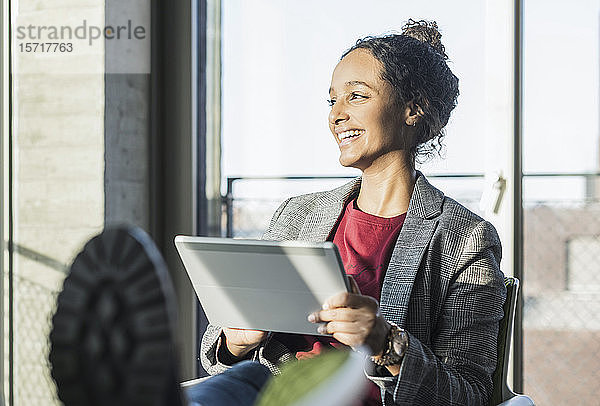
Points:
x=443, y=285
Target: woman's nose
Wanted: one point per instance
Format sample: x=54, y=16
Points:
x=337, y=114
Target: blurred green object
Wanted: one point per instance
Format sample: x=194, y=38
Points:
x=335, y=377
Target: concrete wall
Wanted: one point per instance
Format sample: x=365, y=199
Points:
x=58, y=178
x=127, y=116
x=127, y=149
x=80, y=160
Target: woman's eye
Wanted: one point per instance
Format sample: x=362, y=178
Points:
x=354, y=96
x=330, y=102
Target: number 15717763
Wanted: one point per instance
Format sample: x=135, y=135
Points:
x=46, y=47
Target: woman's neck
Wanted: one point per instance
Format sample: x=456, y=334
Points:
x=387, y=186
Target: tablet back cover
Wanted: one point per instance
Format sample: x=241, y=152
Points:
x=262, y=285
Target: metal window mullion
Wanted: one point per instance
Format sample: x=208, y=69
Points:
x=212, y=116
x=174, y=158
x=6, y=205
x=518, y=195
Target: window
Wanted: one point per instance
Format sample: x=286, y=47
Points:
x=561, y=290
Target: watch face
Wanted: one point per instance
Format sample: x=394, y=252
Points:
x=399, y=343
x=398, y=347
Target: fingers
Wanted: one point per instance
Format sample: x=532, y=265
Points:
x=345, y=307
x=344, y=320
x=353, y=284
x=353, y=334
x=368, y=331
x=353, y=300
x=243, y=332
x=340, y=314
x=349, y=317
x=347, y=339
x=242, y=329
x=343, y=327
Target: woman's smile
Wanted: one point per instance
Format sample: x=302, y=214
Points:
x=347, y=136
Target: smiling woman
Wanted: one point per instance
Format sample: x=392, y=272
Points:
x=427, y=287
x=363, y=118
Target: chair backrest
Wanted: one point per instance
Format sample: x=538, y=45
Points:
x=501, y=390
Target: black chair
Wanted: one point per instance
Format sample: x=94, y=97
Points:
x=502, y=394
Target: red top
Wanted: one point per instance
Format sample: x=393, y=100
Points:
x=365, y=243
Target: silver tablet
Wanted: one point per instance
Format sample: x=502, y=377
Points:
x=262, y=285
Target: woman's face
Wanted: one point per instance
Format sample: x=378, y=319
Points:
x=363, y=118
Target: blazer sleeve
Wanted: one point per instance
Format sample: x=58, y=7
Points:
x=211, y=339
x=456, y=369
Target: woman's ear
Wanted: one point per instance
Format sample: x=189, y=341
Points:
x=413, y=113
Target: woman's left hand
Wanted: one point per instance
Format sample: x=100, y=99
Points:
x=353, y=320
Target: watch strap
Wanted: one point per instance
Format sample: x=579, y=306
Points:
x=397, y=338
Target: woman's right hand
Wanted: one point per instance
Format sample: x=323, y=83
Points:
x=240, y=342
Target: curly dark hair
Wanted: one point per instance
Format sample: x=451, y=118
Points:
x=414, y=63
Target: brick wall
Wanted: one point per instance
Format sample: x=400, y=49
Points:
x=561, y=326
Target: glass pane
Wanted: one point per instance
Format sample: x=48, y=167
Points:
x=278, y=57
x=561, y=286
x=58, y=174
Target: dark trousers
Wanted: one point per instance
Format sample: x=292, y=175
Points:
x=238, y=386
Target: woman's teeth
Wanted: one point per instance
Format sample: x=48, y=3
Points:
x=350, y=133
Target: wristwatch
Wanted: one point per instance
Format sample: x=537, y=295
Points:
x=395, y=347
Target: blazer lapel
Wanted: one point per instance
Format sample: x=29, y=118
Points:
x=420, y=223
x=404, y=264
x=326, y=212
